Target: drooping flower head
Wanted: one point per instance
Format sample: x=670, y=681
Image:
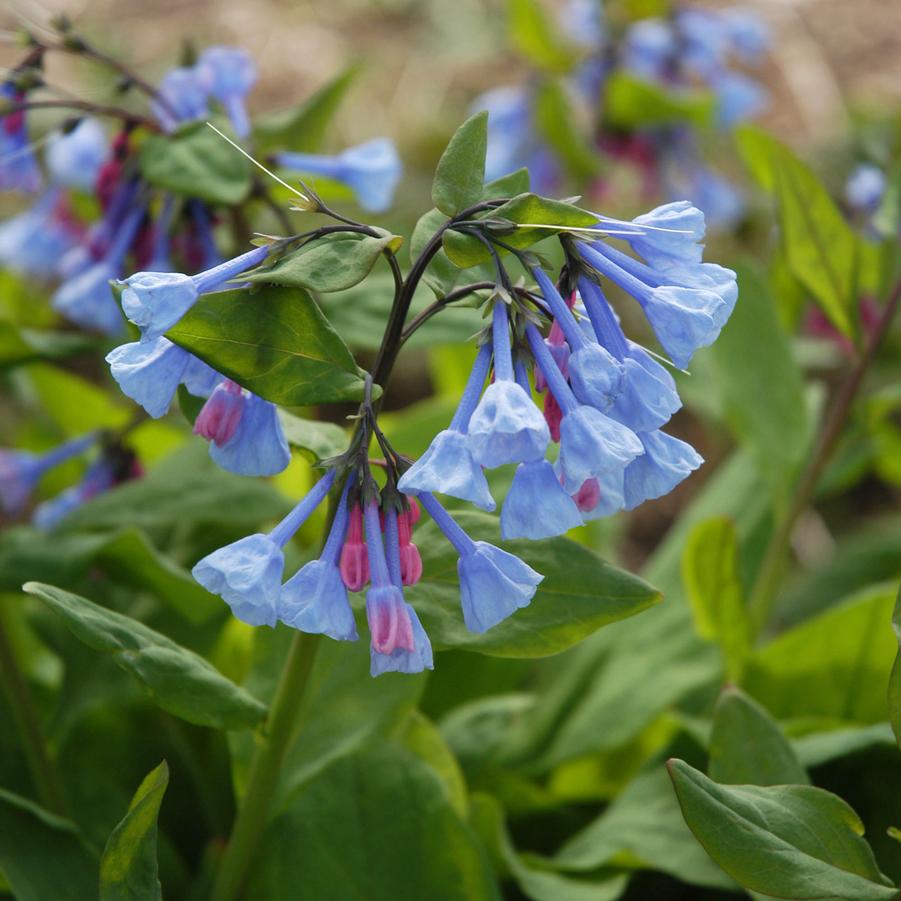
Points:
x=228, y=74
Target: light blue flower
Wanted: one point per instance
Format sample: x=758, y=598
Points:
x=739, y=98
x=537, y=506
x=183, y=97
x=721, y=201
x=666, y=461
x=649, y=48
x=447, y=466
x=98, y=478
x=75, y=158
x=228, y=74
x=670, y=233
x=865, y=187
x=748, y=34
x=705, y=40
x=200, y=379
x=610, y=491
x=247, y=574
x=315, y=598
x=19, y=169
x=149, y=372
x=510, y=131
x=155, y=301
x=32, y=242
x=372, y=170
x=255, y=444
x=493, y=583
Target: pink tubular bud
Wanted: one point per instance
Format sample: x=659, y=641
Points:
x=588, y=496
x=553, y=416
x=354, y=562
x=221, y=414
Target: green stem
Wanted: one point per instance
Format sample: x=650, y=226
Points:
x=772, y=567
x=46, y=778
x=265, y=768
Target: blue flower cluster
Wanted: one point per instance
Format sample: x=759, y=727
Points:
x=692, y=48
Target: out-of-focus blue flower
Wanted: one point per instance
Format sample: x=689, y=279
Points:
x=447, y=466
x=721, y=201
x=149, y=372
x=510, y=131
x=244, y=432
x=99, y=477
x=705, y=40
x=32, y=242
x=738, y=97
x=649, y=48
x=183, y=93
x=493, y=583
x=75, y=158
x=155, y=301
x=87, y=298
x=749, y=36
x=666, y=461
x=583, y=21
x=865, y=188
x=19, y=169
x=506, y=426
x=228, y=74
x=315, y=598
x=20, y=471
x=398, y=643
x=247, y=574
x=537, y=506
x=372, y=170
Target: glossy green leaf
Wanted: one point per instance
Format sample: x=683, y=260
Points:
x=534, y=35
x=275, y=342
x=460, y=176
x=128, y=868
x=538, y=878
x=507, y=186
x=894, y=686
x=42, y=855
x=333, y=263
x=820, y=247
x=747, y=747
x=559, y=125
x=524, y=210
x=710, y=571
x=579, y=594
x=632, y=102
x=644, y=828
x=377, y=825
x=753, y=350
x=835, y=664
x=788, y=841
x=196, y=162
x=302, y=128
x=178, y=680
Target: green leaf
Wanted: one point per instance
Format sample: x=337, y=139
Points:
x=538, y=878
x=558, y=124
x=302, y=128
x=835, y=664
x=196, y=162
x=894, y=686
x=24, y=345
x=332, y=263
x=185, y=488
x=525, y=209
x=128, y=868
x=631, y=102
x=579, y=594
x=788, y=841
x=178, y=680
x=535, y=36
x=42, y=855
x=275, y=342
x=747, y=746
x=509, y=185
x=377, y=825
x=644, y=828
x=460, y=175
x=319, y=440
x=753, y=350
x=820, y=247
x=711, y=576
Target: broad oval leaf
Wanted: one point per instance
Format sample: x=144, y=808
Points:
x=328, y=264
x=788, y=841
x=460, y=175
x=196, y=162
x=579, y=594
x=275, y=342
x=128, y=868
x=178, y=680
